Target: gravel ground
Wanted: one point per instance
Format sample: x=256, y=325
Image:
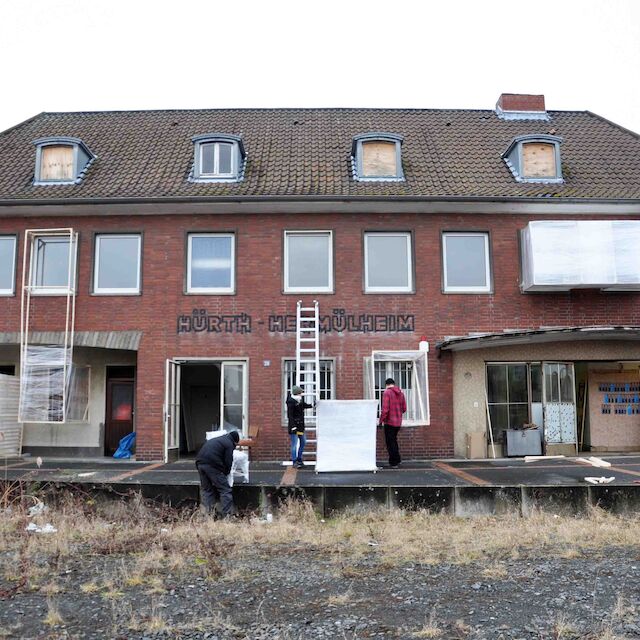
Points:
x=290, y=593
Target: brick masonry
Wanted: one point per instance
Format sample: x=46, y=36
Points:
x=259, y=283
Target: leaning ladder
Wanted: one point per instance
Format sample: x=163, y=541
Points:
x=308, y=364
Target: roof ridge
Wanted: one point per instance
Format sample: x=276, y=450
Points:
x=614, y=124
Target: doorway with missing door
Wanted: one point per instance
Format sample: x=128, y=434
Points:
x=119, y=413
x=200, y=396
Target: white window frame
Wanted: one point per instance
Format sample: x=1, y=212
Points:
x=289, y=369
x=375, y=289
x=60, y=290
x=306, y=232
x=467, y=289
x=12, y=290
x=212, y=290
x=116, y=290
x=216, y=159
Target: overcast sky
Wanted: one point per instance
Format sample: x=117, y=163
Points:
x=83, y=55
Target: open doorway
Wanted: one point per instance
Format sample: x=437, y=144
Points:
x=201, y=396
x=119, y=412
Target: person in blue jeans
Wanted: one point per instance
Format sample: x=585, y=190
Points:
x=295, y=418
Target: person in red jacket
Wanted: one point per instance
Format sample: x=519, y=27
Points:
x=393, y=406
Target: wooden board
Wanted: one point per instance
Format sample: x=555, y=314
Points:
x=56, y=163
x=379, y=159
x=538, y=160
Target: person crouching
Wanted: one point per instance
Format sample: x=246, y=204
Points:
x=214, y=461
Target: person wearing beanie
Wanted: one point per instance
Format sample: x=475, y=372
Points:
x=214, y=462
x=295, y=418
x=393, y=406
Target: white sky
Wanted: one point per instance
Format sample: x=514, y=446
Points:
x=77, y=55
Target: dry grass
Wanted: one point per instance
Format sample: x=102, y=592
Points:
x=564, y=630
x=430, y=629
x=53, y=616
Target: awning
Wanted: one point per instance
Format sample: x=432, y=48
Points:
x=481, y=340
x=124, y=340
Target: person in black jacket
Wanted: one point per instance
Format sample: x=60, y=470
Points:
x=295, y=417
x=214, y=462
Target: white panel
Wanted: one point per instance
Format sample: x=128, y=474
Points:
x=569, y=254
x=346, y=433
x=10, y=428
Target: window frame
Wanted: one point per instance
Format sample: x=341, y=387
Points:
x=309, y=413
x=488, y=288
x=410, y=288
x=513, y=158
x=189, y=290
x=60, y=141
x=44, y=290
x=238, y=157
x=357, y=156
x=98, y=291
x=12, y=291
x=293, y=232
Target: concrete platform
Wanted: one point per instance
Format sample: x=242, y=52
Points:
x=462, y=487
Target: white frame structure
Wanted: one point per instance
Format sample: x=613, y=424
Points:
x=487, y=259
x=369, y=288
x=304, y=232
x=212, y=290
x=12, y=291
x=28, y=289
x=172, y=400
x=51, y=290
x=216, y=159
x=96, y=269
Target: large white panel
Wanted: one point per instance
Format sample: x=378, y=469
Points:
x=346, y=434
x=10, y=428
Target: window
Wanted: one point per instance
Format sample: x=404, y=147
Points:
x=52, y=269
x=308, y=261
x=61, y=160
x=387, y=262
x=410, y=372
x=7, y=265
x=211, y=263
x=78, y=394
x=327, y=384
x=508, y=397
x=465, y=259
x=218, y=157
x=117, y=264
x=377, y=156
x=535, y=158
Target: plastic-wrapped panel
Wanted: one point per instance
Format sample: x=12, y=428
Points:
x=346, y=433
x=570, y=254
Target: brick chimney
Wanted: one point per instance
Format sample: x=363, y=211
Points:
x=521, y=106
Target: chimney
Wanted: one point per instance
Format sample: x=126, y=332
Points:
x=521, y=106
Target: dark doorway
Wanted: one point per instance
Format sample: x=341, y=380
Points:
x=8, y=369
x=200, y=402
x=120, y=406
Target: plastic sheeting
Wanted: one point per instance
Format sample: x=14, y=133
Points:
x=346, y=435
x=415, y=387
x=570, y=254
x=45, y=395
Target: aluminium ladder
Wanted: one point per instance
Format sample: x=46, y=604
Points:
x=308, y=365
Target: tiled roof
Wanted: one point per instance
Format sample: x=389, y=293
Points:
x=306, y=152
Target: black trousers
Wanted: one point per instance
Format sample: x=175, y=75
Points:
x=391, y=440
x=213, y=486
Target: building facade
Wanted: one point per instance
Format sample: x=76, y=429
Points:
x=151, y=263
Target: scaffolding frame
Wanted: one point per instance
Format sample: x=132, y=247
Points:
x=29, y=287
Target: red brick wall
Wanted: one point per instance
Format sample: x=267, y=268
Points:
x=259, y=286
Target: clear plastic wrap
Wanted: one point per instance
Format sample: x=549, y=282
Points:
x=45, y=395
x=558, y=255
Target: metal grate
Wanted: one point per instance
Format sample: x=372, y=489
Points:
x=326, y=389
x=402, y=372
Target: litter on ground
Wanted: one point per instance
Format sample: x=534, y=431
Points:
x=599, y=480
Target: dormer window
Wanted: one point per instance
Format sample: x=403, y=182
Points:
x=535, y=158
x=61, y=160
x=377, y=156
x=218, y=157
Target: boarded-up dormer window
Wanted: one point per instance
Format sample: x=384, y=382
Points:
x=538, y=160
x=379, y=159
x=56, y=163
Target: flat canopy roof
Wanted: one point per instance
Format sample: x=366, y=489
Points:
x=536, y=336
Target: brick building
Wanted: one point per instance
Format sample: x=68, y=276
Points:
x=169, y=249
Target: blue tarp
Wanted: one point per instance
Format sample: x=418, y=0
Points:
x=126, y=445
